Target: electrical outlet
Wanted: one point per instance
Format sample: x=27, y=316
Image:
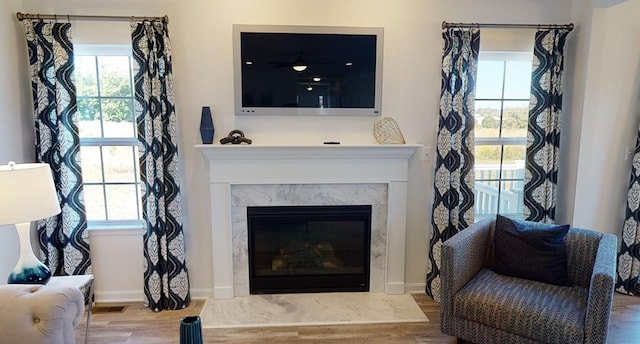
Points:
x=426, y=153
x=628, y=153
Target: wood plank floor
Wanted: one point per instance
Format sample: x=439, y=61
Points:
x=137, y=324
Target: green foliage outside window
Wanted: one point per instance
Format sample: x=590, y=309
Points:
x=115, y=89
x=513, y=118
x=514, y=125
x=491, y=154
x=490, y=122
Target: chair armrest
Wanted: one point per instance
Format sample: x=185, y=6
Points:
x=463, y=256
x=39, y=313
x=601, y=290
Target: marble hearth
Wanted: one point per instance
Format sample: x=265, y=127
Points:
x=258, y=175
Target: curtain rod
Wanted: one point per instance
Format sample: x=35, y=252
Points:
x=23, y=16
x=446, y=25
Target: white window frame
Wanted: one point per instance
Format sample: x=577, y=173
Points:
x=501, y=141
x=112, y=50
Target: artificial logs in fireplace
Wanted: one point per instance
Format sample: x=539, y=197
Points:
x=309, y=248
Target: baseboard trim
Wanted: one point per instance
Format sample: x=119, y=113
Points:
x=415, y=287
x=397, y=288
x=138, y=295
x=199, y=294
x=119, y=296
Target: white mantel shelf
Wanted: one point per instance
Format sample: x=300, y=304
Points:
x=328, y=151
x=316, y=164
x=306, y=164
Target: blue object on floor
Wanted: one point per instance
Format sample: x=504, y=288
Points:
x=191, y=330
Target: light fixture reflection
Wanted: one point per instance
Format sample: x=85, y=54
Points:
x=299, y=67
x=300, y=64
x=309, y=88
x=349, y=64
x=316, y=79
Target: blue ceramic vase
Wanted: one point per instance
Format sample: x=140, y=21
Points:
x=191, y=330
x=28, y=270
x=206, y=125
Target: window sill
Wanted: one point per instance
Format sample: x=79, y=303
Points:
x=480, y=217
x=110, y=229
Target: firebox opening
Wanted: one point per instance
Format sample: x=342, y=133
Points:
x=295, y=249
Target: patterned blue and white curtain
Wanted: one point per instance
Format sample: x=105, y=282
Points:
x=63, y=238
x=628, y=281
x=166, y=282
x=543, y=137
x=454, y=178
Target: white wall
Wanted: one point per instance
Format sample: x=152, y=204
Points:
x=117, y=264
x=202, y=51
x=16, y=133
x=611, y=114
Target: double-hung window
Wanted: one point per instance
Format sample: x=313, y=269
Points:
x=501, y=117
x=108, y=140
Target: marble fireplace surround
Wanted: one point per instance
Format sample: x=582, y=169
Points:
x=263, y=175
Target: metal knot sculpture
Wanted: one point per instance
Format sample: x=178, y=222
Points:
x=235, y=137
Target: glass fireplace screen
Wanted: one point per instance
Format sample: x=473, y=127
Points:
x=309, y=248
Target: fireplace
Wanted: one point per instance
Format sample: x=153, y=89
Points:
x=296, y=249
x=242, y=176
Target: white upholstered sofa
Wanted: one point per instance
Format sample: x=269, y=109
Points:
x=39, y=314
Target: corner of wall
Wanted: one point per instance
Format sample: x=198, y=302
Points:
x=16, y=130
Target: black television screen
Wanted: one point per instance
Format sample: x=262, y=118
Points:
x=301, y=70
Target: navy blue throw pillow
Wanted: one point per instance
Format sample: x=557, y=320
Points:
x=531, y=250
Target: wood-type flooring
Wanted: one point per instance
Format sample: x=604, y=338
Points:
x=139, y=325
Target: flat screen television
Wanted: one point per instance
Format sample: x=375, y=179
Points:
x=307, y=70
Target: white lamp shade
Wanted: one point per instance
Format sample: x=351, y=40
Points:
x=27, y=193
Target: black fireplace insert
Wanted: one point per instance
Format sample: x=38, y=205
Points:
x=295, y=249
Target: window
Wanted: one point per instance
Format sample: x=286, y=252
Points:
x=108, y=141
x=501, y=115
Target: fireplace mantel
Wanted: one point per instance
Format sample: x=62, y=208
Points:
x=306, y=164
x=328, y=151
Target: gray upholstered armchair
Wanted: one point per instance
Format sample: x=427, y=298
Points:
x=481, y=306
